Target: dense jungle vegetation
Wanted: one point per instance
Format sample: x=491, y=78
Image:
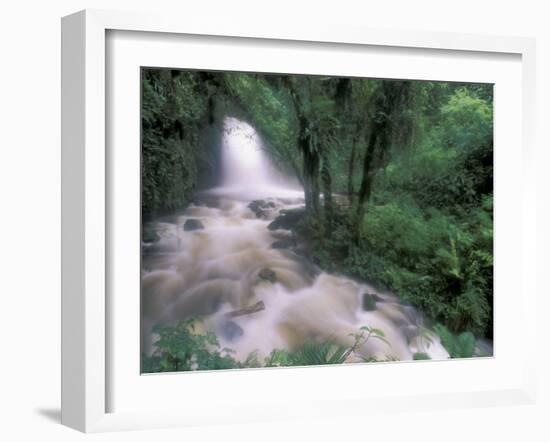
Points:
x=397, y=177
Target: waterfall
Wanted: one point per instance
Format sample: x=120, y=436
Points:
x=247, y=170
x=243, y=160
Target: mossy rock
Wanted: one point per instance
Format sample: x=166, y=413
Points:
x=267, y=275
x=369, y=301
x=287, y=219
x=421, y=356
x=193, y=224
x=282, y=244
x=261, y=207
x=149, y=234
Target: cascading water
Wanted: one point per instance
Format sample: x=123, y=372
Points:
x=243, y=159
x=247, y=172
x=231, y=262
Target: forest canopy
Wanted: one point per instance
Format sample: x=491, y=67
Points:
x=397, y=174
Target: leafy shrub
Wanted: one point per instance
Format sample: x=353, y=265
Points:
x=324, y=353
x=180, y=348
x=420, y=356
x=329, y=244
x=467, y=121
x=310, y=353
x=453, y=168
x=174, y=107
x=397, y=233
x=432, y=260
x=458, y=346
x=429, y=259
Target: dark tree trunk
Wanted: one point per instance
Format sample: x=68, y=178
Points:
x=310, y=154
x=311, y=172
x=326, y=179
x=393, y=95
x=351, y=171
x=365, y=189
x=366, y=180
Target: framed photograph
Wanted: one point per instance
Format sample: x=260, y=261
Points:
x=264, y=223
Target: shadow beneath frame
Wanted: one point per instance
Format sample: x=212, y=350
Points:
x=51, y=414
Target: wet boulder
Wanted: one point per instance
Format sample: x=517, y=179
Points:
x=282, y=244
x=261, y=208
x=287, y=219
x=369, y=301
x=231, y=331
x=193, y=224
x=149, y=234
x=267, y=274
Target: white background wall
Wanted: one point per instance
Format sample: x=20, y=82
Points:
x=30, y=219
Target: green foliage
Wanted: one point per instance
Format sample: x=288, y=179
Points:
x=458, y=346
x=310, y=353
x=329, y=245
x=326, y=353
x=432, y=261
x=148, y=234
x=427, y=233
x=453, y=168
x=180, y=348
x=365, y=333
x=174, y=107
x=435, y=261
x=467, y=121
x=420, y=356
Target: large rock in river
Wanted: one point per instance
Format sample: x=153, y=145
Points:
x=149, y=234
x=193, y=224
x=370, y=300
x=231, y=331
x=287, y=219
x=261, y=208
x=267, y=275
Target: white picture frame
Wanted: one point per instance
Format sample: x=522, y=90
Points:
x=85, y=237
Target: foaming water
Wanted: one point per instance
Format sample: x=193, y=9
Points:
x=217, y=269
x=247, y=172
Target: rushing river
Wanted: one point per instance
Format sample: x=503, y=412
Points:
x=255, y=290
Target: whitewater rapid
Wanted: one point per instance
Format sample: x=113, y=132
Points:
x=216, y=270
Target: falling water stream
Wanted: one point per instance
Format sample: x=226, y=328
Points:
x=231, y=261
